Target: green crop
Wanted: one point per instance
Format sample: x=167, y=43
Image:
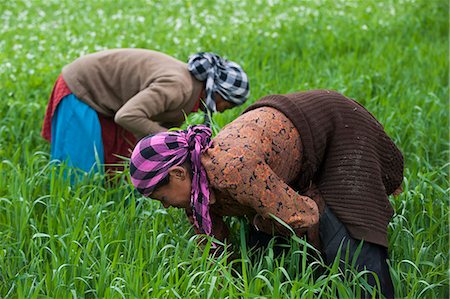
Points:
x=93, y=241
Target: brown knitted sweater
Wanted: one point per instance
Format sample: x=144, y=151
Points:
x=347, y=155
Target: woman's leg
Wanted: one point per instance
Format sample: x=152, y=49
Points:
x=76, y=135
x=261, y=240
x=371, y=257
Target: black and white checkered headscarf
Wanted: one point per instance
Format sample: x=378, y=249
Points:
x=222, y=76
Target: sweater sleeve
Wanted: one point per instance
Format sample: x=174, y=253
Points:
x=254, y=184
x=137, y=113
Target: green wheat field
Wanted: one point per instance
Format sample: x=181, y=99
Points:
x=94, y=241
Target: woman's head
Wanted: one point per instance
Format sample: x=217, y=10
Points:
x=175, y=189
x=223, y=80
x=167, y=156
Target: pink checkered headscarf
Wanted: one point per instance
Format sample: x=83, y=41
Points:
x=155, y=154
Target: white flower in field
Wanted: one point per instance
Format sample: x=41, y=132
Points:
x=17, y=47
x=364, y=27
x=117, y=16
x=23, y=15
x=392, y=11
x=169, y=20
x=84, y=51
x=31, y=72
x=6, y=14
x=202, y=32
x=369, y=9
x=141, y=19
x=329, y=27
x=209, y=19
x=176, y=41
x=178, y=24
x=98, y=48
x=29, y=56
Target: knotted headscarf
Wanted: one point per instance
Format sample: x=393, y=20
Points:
x=155, y=154
x=222, y=76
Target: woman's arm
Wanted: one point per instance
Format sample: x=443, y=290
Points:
x=253, y=183
x=137, y=113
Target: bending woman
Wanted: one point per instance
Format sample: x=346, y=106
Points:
x=103, y=102
x=316, y=143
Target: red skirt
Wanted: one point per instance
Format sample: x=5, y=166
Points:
x=118, y=143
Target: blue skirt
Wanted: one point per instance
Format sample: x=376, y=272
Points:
x=77, y=136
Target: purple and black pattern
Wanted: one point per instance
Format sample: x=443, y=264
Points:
x=155, y=154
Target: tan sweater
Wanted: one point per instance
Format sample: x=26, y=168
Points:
x=145, y=91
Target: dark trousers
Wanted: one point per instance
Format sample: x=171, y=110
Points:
x=333, y=233
x=372, y=257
